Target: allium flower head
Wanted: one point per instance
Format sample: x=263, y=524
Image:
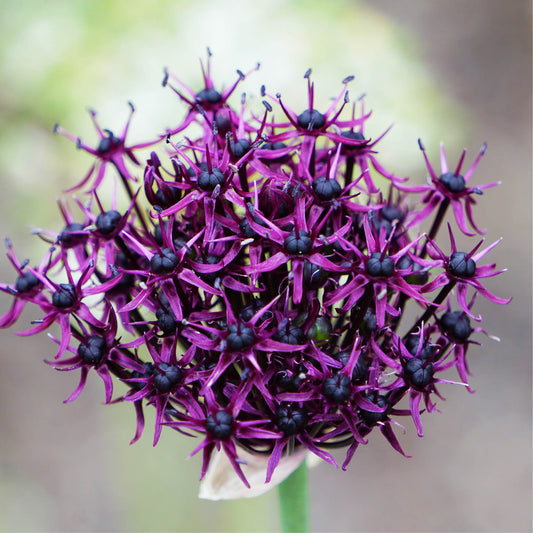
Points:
x=253, y=292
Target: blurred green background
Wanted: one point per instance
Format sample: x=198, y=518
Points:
x=454, y=70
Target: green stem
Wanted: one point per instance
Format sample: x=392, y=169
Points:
x=293, y=494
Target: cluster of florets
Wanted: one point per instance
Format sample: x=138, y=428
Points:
x=253, y=290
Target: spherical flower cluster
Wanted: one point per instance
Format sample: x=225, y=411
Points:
x=253, y=290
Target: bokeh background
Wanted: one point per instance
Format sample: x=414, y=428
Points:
x=452, y=70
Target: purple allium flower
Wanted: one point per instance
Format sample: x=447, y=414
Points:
x=254, y=290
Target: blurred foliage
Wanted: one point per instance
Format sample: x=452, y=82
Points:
x=58, y=57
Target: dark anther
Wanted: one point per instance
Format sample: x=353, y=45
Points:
x=337, y=388
x=93, y=350
x=461, y=265
x=298, y=244
x=65, y=296
x=326, y=189
x=108, y=222
x=209, y=180
x=418, y=373
x=314, y=276
x=371, y=418
x=164, y=261
x=454, y=183
x=166, y=322
x=456, y=325
x=26, y=282
x=209, y=96
x=239, y=147
x=311, y=120
x=239, y=338
x=290, y=334
x=219, y=425
x=378, y=267
x=72, y=235
x=166, y=377
x=108, y=143
x=291, y=420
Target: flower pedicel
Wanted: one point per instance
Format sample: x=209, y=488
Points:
x=253, y=290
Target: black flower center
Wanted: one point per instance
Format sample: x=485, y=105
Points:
x=65, y=296
x=427, y=351
x=326, y=189
x=337, y=388
x=378, y=266
x=291, y=420
x=298, y=243
x=314, y=276
x=164, y=262
x=107, y=222
x=311, y=120
x=219, y=425
x=288, y=382
x=453, y=182
x=370, y=418
x=239, y=338
x=290, y=334
x=360, y=369
x=26, y=282
x=108, y=143
x=166, y=377
x=208, y=181
x=166, y=322
x=72, y=235
x=418, y=373
x=92, y=352
x=208, y=95
x=461, y=265
x=239, y=147
x=456, y=325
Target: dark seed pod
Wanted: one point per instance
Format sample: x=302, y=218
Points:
x=291, y=420
x=164, y=262
x=239, y=147
x=220, y=425
x=149, y=370
x=454, y=183
x=208, y=181
x=378, y=267
x=239, y=338
x=360, y=369
x=166, y=322
x=222, y=124
x=107, y=144
x=210, y=277
x=311, y=120
x=108, y=222
x=290, y=334
x=277, y=145
x=461, y=265
x=288, y=382
x=209, y=96
x=337, y=388
x=65, y=296
x=314, y=276
x=93, y=350
x=166, y=377
x=418, y=373
x=456, y=325
x=370, y=418
x=427, y=351
x=353, y=136
x=26, y=282
x=326, y=189
x=298, y=244
x=418, y=275
x=391, y=213
x=72, y=235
